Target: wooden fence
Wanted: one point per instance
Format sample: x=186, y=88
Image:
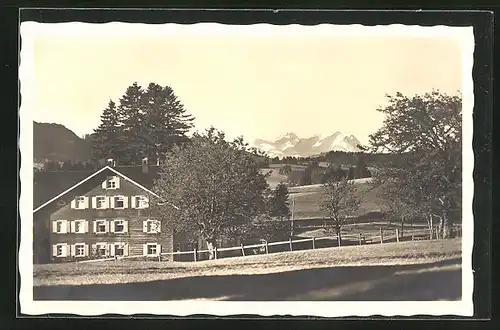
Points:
x=384, y=236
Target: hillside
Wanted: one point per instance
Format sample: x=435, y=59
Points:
x=57, y=143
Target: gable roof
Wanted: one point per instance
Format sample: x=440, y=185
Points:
x=88, y=177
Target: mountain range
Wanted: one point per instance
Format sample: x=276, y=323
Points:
x=55, y=142
x=290, y=144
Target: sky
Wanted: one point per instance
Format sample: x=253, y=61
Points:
x=254, y=85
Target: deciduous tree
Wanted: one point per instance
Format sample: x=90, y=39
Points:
x=339, y=202
x=425, y=132
x=216, y=186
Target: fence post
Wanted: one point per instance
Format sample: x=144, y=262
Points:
x=215, y=252
x=360, y=238
x=412, y=236
x=381, y=235
x=195, y=254
x=242, y=249
x=267, y=248
x=291, y=244
x=314, y=242
x=397, y=235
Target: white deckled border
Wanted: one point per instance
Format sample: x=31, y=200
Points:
x=31, y=30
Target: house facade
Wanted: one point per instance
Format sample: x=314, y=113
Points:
x=106, y=214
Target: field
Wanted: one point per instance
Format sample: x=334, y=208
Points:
x=307, y=198
x=393, y=271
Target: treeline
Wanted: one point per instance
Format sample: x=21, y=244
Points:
x=339, y=158
x=315, y=174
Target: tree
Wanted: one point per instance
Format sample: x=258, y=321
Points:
x=350, y=173
x=334, y=173
x=424, y=131
x=216, y=186
x=106, y=140
x=285, y=170
x=146, y=123
x=339, y=202
x=165, y=122
x=279, y=206
x=360, y=170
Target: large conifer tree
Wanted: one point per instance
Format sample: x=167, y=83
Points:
x=146, y=123
x=106, y=140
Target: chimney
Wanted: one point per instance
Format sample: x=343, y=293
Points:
x=111, y=162
x=145, y=165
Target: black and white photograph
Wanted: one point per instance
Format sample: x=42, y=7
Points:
x=179, y=169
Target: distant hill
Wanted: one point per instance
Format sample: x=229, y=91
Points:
x=57, y=143
x=292, y=145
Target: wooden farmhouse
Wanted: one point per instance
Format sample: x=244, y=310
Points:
x=79, y=215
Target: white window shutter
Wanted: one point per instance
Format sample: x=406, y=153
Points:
x=86, y=250
x=158, y=249
x=117, y=182
x=73, y=204
x=103, y=185
x=73, y=226
x=94, y=202
x=112, y=226
x=144, y=249
x=112, y=250
x=108, y=248
x=145, y=226
x=64, y=250
x=94, y=249
x=112, y=202
x=95, y=226
x=64, y=227
x=106, y=226
x=125, y=249
x=133, y=202
x=85, y=226
x=125, y=226
x=85, y=202
x=125, y=202
x=54, y=250
x=158, y=226
x=73, y=250
x=54, y=227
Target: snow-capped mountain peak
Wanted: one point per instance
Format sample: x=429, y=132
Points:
x=289, y=144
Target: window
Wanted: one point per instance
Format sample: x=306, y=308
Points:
x=140, y=202
x=119, y=250
x=152, y=249
x=101, y=250
x=119, y=226
x=151, y=226
x=100, y=226
x=59, y=250
x=79, y=227
x=119, y=202
x=79, y=250
x=101, y=202
x=80, y=202
x=112, y=182
x=60, y=226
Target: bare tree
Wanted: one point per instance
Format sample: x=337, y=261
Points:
x=340, y=201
